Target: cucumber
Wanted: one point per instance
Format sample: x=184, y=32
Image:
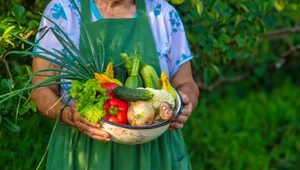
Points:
x=132, y=94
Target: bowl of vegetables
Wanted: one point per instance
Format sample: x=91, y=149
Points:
x=147, y=127
x=134, y=108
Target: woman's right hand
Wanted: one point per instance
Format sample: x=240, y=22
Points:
x=71, y=116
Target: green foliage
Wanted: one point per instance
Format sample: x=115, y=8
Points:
x=19, y=107
x=233, y=40
x=17, y=25
x=15, y=76
x=257, y=131
x=24, y=150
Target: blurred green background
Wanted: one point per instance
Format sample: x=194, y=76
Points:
x=246, y=66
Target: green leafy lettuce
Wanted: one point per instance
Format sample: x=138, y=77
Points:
x=90, y=99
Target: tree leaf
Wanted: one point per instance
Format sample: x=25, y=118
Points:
x=241, y=40
x=19, y=13
x=214, y=67
x=199, y=6
x=7, y=31
x=33, y=25
x=208, y=47
x=229, y=54
x=225, y=38
x=252, y=42
x=10, y=125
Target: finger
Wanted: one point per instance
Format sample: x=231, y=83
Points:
x=98, y=134
x=83, y=120
x=181, y=119
x=184, y=97
x=175, y=125
x=95, y=133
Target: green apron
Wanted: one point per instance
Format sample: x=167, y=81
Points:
x=70, y=150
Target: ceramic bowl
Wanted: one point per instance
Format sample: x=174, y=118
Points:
x=132, y=135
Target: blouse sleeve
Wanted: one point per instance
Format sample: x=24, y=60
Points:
x=179, y=51
x=45, y=38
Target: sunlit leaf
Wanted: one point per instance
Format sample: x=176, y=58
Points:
x=7, y=31
x=199, y=6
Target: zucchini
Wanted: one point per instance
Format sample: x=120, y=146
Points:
x=132, y=94
x=134, y=80
x=150, y=77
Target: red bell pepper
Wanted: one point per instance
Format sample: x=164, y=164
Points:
x=116, y=111
x=109, y=86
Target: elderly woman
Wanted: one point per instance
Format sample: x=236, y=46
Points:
x=120, y=25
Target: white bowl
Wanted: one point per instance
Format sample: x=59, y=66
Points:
x=131, y=135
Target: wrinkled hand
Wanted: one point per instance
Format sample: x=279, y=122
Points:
x=185, y=113
x=93, y=130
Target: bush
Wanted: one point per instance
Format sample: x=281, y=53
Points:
x=258, y=131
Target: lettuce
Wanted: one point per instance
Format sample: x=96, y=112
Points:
x=90, y=99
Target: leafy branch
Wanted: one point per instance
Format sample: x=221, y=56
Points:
x=226, y=80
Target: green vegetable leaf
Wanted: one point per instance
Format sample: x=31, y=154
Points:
x=91, y=97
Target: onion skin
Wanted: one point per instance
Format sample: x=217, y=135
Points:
x=140, y=113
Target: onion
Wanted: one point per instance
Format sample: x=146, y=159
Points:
x=140, y=113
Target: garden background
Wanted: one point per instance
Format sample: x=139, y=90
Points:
x=246, y=66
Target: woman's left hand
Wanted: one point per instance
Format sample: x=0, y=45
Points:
x=185, y=113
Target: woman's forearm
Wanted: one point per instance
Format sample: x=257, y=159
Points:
x=47, y=102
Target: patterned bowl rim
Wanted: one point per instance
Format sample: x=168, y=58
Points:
x=178, y=113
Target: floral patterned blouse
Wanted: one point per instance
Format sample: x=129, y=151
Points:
x=167, y=28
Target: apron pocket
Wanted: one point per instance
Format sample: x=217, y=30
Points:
x=182, y=164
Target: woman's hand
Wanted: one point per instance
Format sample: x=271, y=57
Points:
x=71, y=116
x=184, y=83
x=185, y=113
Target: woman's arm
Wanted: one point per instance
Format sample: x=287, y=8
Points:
x=184, y=83
x=46, y=99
